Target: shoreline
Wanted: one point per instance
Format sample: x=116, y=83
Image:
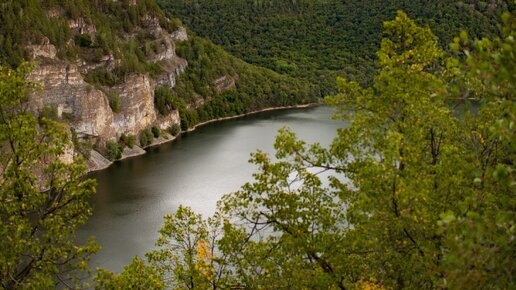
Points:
x=162, y=140
x=305, y=106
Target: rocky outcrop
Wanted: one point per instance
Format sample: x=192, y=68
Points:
x=107, y=62
x=45, y=50
x=97, y=161
x=224, y=83
x=171, y=69
x=180, y=34
x=132, y=152
x=152, y=25
x=80, y=26
x=85, y=108
x=137, y=110
x=165, y=122
x=170, y=63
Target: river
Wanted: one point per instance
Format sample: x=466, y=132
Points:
x=194, y=170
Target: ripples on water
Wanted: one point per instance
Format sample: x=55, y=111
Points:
x=195, y=170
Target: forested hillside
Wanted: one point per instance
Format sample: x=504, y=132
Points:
x=222, y=85
x=79, y=29
x=322, y=39
x=111, y=40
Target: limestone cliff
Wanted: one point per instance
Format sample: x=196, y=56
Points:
x=137, y=105
x=86, y=108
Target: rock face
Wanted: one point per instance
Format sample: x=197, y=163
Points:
x=170, y=63
x=45, y=50
x=224, y=83
x=171, y=69
x=165, y=122
x=180, y=34
x=137, y=105
x=85, y=108
x=80, y=26
x=97, y=161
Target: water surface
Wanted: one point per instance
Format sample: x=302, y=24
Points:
x=195, y=170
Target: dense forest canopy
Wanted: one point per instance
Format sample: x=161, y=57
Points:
x=320, y=40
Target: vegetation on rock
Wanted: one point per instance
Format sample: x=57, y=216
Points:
x=43, y=197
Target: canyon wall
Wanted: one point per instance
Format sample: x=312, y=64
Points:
x=86, y=108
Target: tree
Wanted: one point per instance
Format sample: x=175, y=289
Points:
x=411, y=194
x=479, y=236
x=417, y=197
x=136, y=275
x=43, y=198
x=186, y=255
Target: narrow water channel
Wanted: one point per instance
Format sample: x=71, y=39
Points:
x=195, y=170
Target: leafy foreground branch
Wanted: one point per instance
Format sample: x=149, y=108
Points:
x=418, y=195
x=43, y=197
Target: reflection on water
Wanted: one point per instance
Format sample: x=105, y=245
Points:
x=195, y=170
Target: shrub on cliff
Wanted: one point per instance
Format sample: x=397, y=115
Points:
x=174, y=129
x=155, y=132
x=114, y=102
x=49, y=112
x=114, y=150
x=83, y=40
x=146, y=137
x=127, y=140
x=165, y=101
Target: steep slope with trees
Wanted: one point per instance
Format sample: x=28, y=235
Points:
x=322, y=39
x=110, y=70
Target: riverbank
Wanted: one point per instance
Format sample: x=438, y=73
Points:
x=97, y=162
x=305, y=106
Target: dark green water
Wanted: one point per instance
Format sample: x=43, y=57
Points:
x=195, y=170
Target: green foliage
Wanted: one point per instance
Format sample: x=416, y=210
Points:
x=136, y=275
x=49, y=112
x=42, y=199
x=413, y=195
x=186, y=253
x=84, y=148
x=114, y=102
x=255, y=88
x=102, y=77
x=114, y=150
x=83, y=40
x=321, y=39
x=127, y=140
x=146, y=137
x=478, y=234
x=164, y=100
x=155, y=132
x=174, y=130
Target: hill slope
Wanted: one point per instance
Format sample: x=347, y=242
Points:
x=110, y=70
x=321, y=39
